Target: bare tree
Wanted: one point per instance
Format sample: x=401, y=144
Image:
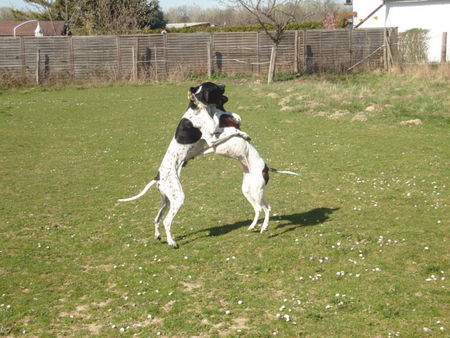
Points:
x=307, y=10
x=178, y=14
x=5, y=14
x=273, y=16
x=219, y=16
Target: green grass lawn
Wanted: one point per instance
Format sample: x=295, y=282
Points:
x=357, y=246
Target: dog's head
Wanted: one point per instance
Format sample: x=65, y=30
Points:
x=208, y=93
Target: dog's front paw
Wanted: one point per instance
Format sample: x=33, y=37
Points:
x=236, y=117
x=245, y=136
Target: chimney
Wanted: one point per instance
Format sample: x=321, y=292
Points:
x=38, y=32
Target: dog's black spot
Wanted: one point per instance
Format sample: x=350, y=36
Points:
x=265, y=174
x=186, y=133
x=157, y=177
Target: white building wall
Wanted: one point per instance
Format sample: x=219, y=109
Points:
x=363, y=8
x=431, y=15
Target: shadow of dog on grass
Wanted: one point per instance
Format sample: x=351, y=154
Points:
x=313, y=217
x=309, y=218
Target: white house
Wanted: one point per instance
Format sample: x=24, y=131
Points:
x=188, y=25
x=433, y=15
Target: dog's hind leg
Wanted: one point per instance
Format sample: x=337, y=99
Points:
x=257, y=210
x=266, y=208
x=246, y=190
x=160, y=214
x=175, y=195
x=255, y=189
x=257, y=195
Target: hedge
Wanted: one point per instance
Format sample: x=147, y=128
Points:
x=246, y=28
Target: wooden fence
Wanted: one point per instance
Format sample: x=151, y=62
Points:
x=160, y=56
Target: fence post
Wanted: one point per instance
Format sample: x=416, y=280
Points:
x=258, y=66
x=389, y=50
x=212, y=53
x=305, y=52
x=273, y=56
x=166, y=61
x=296, y=53
x=393, y=38
x=156, y=62
x=133, y=56
x=350, y=46
x=208, y=57
x=385, y=57
x=119, y=57
x=71, y=57
x=38, y=61
x=137, y=58
x=22, y=56
x=444, y=47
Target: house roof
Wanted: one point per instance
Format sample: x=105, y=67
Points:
x=411, y=0
x=49, y=28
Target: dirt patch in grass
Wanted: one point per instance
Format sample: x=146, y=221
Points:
x=167, y=307
x=102, y=304
x=94, y=328
x=101, y=267
x=414, y=122
x=372, y=108
x=285, y=100
x=361, y=117
x=338, y=114
x=238, y=324
x=190, y=286
x=287, y=108
x=320, y=113
x=80, y=312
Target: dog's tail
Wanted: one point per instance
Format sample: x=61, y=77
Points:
x=283, y=172
x=142, y=193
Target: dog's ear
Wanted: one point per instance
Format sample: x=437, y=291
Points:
x=221, y=88
x=223, y=99
x=200, y=92
x=203, y=95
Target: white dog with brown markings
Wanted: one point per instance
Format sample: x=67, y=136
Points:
x=255, y=170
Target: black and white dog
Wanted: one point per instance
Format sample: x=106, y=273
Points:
x=196, y=130
x=256, y=172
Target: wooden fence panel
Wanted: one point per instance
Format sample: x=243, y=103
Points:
x=53, y=52
x=152, y=56
x=161, y=55
x=236, y=52
x=366, y=42
x=187, y=53
x=125, y=45
x=11, y=58
x=95, y=56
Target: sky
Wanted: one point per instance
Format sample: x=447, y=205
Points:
x=165, y=4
